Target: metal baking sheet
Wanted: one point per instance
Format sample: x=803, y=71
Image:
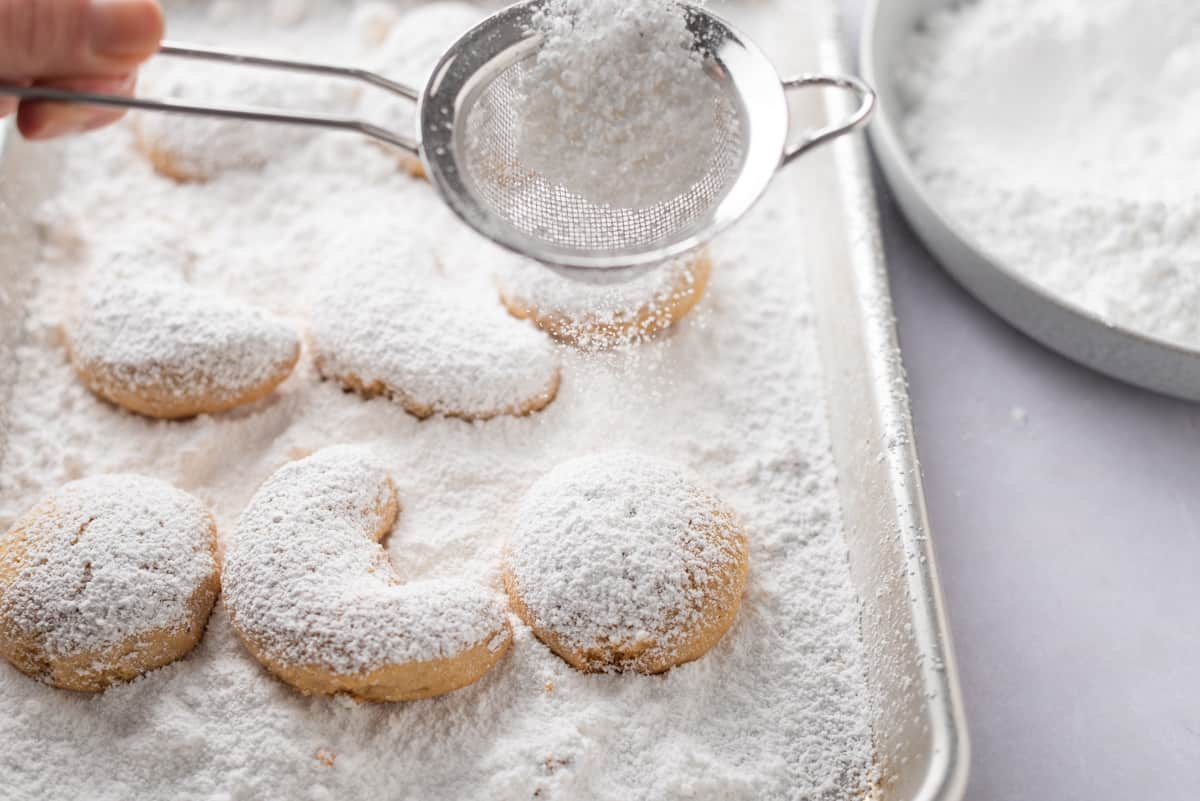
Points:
x=919, y=730
x=1051, y=318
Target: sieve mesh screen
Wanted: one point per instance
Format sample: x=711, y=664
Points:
x=517, y=195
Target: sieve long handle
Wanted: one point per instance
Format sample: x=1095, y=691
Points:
x=255, y=114
x=856, y=120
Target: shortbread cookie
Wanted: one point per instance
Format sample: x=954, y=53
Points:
x=596, y=315
x=198, y=148
x=311, y=593
x=168, y=350
x=620, y=562
x=409, y=54
x=105, y=579
x=397, y=331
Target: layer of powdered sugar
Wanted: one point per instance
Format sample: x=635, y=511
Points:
x=779, y=709
x=1060, y=136
x=159, y=334
x=108, y=558
x=616, y=105
x=617, y=548
x=303, y=577
x=390, y=319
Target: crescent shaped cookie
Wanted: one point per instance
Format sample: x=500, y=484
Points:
x=388, y=331
x=621, y=562
x=311, y=593
x=199, y=148
x=599, y=315
x=169, y=350
x=105, y=579
x=409, y=53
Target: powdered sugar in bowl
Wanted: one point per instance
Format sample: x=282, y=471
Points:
x=1037, y=151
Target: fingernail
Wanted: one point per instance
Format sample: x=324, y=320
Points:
x=124, y=27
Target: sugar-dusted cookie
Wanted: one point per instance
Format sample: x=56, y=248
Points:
x=621, y=562
x=311, y=593
x=602, y=314
x=413, y=47
x=165, y=349
x=400, y=331
x=105, y=579
x=196, y=148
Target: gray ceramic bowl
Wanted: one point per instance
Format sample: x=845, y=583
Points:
x=1053, y=320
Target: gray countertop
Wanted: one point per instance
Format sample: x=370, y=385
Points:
x=1066, y=517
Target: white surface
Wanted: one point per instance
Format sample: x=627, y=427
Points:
x=1066, y=514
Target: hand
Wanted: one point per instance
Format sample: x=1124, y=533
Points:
x=85, y=45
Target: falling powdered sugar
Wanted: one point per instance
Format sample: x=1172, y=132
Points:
x=603, y=313
x=616, y=106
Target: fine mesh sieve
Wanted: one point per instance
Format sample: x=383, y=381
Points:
x=522, y=199
x=468, y=124
x=469, y=128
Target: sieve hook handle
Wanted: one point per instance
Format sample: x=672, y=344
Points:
x=855, y=121
x=255, y=114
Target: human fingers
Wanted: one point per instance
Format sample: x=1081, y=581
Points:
x=45, y=120
x=9, y=104
x=41, y=39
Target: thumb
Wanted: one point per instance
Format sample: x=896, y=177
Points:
x=74, y=38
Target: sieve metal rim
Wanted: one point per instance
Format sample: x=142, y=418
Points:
x=761, y=97
x=508, y=36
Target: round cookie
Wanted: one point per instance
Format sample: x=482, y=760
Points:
x=199, y=148
x=412, y=49
x=105, y=579
x=620, y=562
x=169, y=350
x=311, y=593
x=402, y=332
x=598, y=315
